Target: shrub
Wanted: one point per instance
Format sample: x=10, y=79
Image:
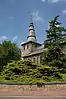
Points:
x=29, y=72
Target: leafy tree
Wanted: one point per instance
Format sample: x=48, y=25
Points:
x=53, y=52
x=54, y=55
x=8, y=52
x=55, y=30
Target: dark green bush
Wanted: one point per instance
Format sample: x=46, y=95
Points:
x=29, y=72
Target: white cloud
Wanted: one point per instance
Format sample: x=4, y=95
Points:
x=37, y=17
x=64, y=12
x=2, y=38
x=11, y=18
x=14, y=38
x=52, y=1
x=43, y=0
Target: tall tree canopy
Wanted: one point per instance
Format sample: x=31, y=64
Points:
x=55, y=31
x=8, y=51
x=54, y=56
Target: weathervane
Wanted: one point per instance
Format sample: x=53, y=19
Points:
x=31, y=18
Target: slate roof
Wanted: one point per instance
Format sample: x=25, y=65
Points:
x=24, y=43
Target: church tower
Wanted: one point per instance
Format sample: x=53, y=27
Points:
x=31, y=44
x=31, y=34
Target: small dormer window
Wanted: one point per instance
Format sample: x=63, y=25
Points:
x=24, y=47
x=35, y=46
x=27, y=46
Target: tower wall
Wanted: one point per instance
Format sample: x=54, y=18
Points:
x=28, y=48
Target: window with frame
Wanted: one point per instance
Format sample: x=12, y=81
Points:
x=24, y=47
x=27, y=46
x=34, y=59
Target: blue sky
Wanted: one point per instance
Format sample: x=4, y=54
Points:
x=15, y=18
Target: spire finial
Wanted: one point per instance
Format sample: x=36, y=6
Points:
x=31, y=34
x=31, y=18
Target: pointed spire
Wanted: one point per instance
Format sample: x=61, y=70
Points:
x=31, y=34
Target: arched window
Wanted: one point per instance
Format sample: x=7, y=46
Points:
x=34, y=59
x=37, y=59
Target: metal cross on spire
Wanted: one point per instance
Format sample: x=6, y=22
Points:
x=31, y=18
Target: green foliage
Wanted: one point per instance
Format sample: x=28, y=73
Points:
x=53, y=52
x=29, y=72
x=56, y=40
x=8, y=52
x=55, y=32
x=64, y=77
x=54, y=57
